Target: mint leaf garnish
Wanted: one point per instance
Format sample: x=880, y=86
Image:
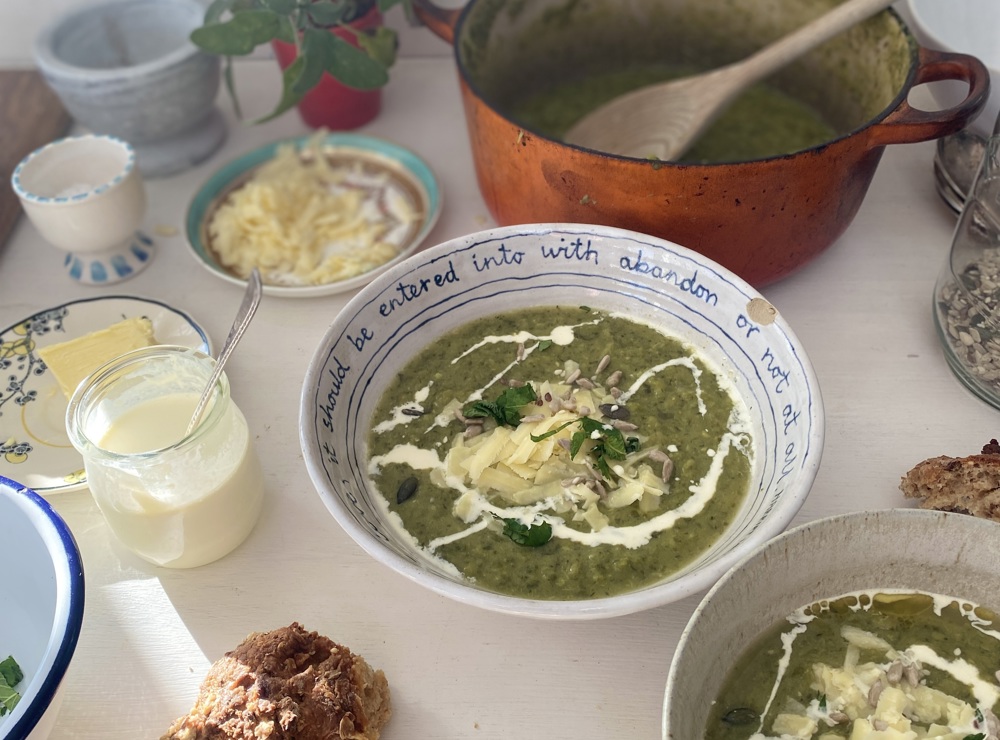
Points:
x=534, y=535
x=506, y=409
x=10, y=676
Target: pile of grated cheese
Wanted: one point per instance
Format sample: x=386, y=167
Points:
x=506, y=462
x=302, y=220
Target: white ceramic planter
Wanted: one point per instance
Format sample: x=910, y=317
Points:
x=127, y=68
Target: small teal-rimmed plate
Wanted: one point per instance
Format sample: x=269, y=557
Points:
x=34, y=447
x=386, y=172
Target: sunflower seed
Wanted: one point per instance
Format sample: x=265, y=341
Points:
x=875, y=692
x=895, y=672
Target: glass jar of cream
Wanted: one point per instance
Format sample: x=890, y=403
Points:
x=177, y=500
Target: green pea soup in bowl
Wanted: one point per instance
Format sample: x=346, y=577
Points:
x=561, y=420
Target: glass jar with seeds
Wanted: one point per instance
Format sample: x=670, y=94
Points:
x=967, y=293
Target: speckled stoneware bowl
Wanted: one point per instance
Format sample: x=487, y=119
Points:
x=406, y=308
x=42, y=601
x=127, y=68
x=929, y=551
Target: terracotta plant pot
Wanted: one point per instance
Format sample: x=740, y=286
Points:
x=763, y=219
x=331, y=104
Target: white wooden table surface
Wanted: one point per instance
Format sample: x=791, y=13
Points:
x=862, y=310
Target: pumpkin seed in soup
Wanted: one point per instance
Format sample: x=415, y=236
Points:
x=886, y=664
x=561, y=453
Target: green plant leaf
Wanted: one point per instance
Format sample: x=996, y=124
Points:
x=355, y=68
x=215, y=11
x=289, y=98
x=240, y=35
x=281, y=7
x=287, y=32
x=327, y=14
x=227, y=76
x=317, y=54
x=534, y=535
x=380, y=45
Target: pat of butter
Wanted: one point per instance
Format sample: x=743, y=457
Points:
x=73, y=360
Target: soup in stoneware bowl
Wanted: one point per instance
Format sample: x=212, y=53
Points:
x=561, y=420
x=864, y=625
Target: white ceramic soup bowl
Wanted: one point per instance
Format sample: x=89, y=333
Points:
x=675, y=289
x=42, y=607
x=911, y=549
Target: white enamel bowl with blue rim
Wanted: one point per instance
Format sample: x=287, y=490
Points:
x=41, y=610
x=443, y=287
x=935, y=552
x=405, y=176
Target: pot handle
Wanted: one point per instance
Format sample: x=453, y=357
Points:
x=441, y=21
x=907, y=125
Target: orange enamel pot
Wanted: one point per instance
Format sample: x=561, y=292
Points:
x=764, y=218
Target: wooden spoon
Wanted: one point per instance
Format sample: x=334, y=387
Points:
x=663, y=120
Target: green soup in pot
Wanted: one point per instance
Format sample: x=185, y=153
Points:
x=762, y=122
x=561, y=453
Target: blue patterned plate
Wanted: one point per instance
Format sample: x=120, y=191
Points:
x=34, y=448
x=400, y=190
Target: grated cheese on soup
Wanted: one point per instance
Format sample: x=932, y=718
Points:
x=303, y=219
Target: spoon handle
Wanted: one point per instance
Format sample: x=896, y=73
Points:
x=777, y=54
x=251, y=299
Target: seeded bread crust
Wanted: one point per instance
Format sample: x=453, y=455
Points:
x=966, y=485
x=287, y=684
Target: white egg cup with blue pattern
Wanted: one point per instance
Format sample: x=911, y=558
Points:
x=85, y=196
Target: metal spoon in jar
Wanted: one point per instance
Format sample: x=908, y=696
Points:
x=663, y=120
x=251, y=299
